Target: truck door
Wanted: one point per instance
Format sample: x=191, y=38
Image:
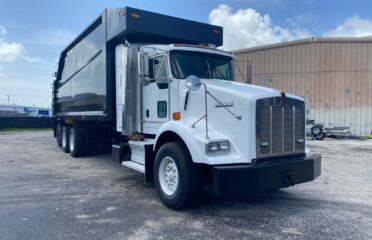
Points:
x=155, y=95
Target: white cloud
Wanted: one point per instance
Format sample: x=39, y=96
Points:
x=12, y=51
x=352, y=27
x=31, y=86
x=32, y=59
x=299, y=19
x=9, y=52
x=248, y=28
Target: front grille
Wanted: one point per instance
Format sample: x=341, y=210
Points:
x=280, y=128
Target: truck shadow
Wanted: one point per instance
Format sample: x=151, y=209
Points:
x=273, y=198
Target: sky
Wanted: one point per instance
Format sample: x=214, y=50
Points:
x=33, y=33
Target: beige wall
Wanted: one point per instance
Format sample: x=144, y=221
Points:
x=335, y=78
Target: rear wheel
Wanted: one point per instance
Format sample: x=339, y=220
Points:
x=177, y=179
x=65, y=139
x=76, y=143
x=59, y=135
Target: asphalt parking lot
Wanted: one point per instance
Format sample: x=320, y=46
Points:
x=46, y=194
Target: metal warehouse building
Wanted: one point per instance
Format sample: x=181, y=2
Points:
x=334, y=75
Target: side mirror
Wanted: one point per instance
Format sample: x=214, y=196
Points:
x=193, y=83
x=145, y=69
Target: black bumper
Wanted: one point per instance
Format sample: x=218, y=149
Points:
x=263, y=177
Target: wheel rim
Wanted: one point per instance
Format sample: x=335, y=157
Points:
x=64, y=138
x=168, y=175
x=316, y=130
x=72, y=141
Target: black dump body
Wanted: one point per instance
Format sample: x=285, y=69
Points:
x=85, y=83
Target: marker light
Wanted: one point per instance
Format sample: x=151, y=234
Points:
x=135, y=15
x=176, y=116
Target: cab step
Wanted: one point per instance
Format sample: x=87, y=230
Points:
x=137, y=155
x=138, y=150
x=135, y=166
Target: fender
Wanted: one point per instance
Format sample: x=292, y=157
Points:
x=186, y=134
x=194, y=139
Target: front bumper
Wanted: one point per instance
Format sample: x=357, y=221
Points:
x=263, y=177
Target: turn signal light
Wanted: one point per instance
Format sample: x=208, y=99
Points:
x=176, y=116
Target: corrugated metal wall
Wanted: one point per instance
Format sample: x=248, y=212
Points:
x=335, y=78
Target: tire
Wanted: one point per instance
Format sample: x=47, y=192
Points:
x=64, y=139
x=320, y=136
x=177, y=179
x=76, y=142
x=59, y=134
x=316, y=130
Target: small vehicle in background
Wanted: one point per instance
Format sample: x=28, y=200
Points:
x=318, y=131
x=315, y=130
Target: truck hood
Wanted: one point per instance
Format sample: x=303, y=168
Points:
x=244, y=90
x=241, y=101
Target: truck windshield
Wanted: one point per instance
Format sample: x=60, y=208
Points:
x=200, y=64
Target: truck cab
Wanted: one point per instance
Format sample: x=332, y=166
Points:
x=173, y=111
x=232, y=132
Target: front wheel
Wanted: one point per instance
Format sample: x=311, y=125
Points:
x=177, y=178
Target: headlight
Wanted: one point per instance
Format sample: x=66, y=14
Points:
x=224, y=146
x=217, y=145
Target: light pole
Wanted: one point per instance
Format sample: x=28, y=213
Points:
x=8, y=99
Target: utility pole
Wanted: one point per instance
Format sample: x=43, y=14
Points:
x=8, y=99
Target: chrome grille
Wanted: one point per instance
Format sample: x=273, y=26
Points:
x=280, y=128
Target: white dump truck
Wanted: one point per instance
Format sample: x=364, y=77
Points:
x=156, y=89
